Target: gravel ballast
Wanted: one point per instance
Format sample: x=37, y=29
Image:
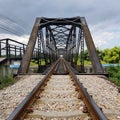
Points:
x=104, y=93
x=11, y=97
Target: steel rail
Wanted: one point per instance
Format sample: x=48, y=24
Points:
x=64, y=67
x=56, y=68
x=20, y=110
x=94, y=110
x=64, y=70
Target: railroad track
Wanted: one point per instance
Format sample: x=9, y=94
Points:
x=58, y=98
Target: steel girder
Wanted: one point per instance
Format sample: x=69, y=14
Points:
x=91, y=48
x=24, y=66
x=56, y=35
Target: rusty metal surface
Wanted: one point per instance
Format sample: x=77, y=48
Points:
x=12, y=49
x=60, y=68
x=91, y=48
x=94, y=110
x=20, y=110
x=29, y=51
x=61, y=35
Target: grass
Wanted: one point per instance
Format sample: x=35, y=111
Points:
x=85, y=62
x=116, y=81
x=114, y=73
x=34, y=62
x=6, y=81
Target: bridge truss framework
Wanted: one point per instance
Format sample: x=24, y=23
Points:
x=60, y=36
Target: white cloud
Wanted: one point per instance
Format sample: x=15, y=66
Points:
x=102, y=16
x=105, y=36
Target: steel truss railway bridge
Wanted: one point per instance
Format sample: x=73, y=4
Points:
x=54, y=37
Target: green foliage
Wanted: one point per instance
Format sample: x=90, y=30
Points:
x=86, y=55
x=6, y=81
x=101, y=54
x=87, y=62
x=114, y=73
x=112, y=55
x=106, y=56
x=35, y=62
x=116, y=81
x=43, y=62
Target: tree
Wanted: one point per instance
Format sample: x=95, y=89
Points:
x=86, y=55
x=112, y=55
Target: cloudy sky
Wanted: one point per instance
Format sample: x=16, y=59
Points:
x=103, y=17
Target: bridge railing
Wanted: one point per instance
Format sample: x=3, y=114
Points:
x=12, y=49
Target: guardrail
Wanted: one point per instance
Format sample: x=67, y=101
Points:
x=12, y=49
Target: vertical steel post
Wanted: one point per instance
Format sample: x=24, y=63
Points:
x=0, y=50
x=20, y=53
x=9, y=51
x=39, y=52
x=23, y=49
x=82, y=52
x=7, y=48
x=15, y=52
x=74, y=43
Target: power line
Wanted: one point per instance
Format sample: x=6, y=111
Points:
x=13, y=21
x=11, y=26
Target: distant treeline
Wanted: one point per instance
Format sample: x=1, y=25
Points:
x=107, y=55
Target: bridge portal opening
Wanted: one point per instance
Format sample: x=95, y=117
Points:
x=54, y=37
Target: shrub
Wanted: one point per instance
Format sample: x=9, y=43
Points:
x=114, y=73
x=6, y=81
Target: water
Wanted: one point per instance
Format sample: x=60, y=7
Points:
x=107, y=65
x=5, y=69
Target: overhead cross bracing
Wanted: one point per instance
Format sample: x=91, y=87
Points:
x=60, y=33
x=60, y=36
